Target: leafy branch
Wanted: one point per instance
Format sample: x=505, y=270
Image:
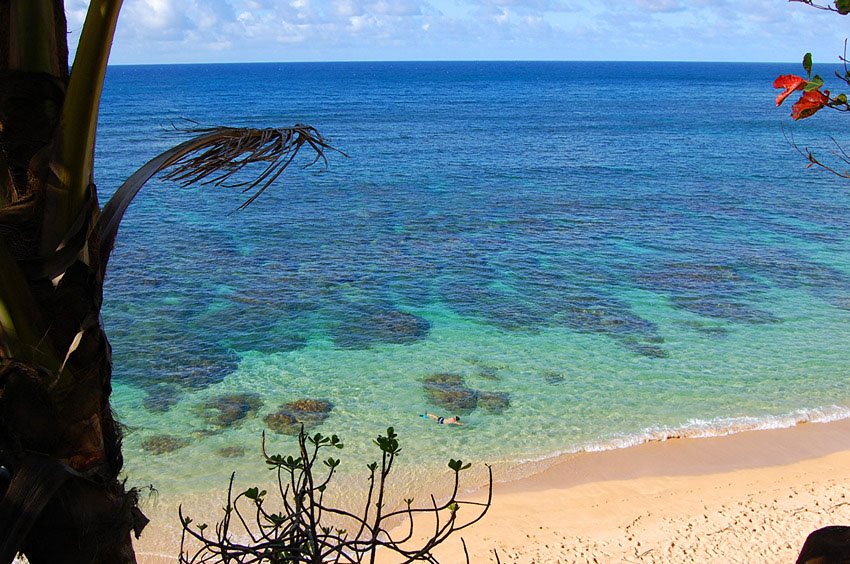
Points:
x=812, y=100
x=839, y=6
x=297, y=529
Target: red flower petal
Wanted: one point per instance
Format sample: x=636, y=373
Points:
x=790, y=83
x=809, y=103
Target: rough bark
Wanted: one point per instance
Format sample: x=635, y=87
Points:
x=58, y=437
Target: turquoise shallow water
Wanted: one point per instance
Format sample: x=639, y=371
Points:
x=572, y=256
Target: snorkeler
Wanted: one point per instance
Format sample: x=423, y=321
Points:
x=443, y=420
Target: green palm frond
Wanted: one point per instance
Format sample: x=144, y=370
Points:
x=219, y=156
x=74, y=151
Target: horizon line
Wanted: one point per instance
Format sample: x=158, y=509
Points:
x=385, y=61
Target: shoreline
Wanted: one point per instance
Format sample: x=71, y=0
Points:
x=679, y=499
x=749, y=496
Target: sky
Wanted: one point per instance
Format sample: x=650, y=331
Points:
x=199, y=31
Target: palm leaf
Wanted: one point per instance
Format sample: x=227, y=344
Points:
x=73, y=151
x=220, y=156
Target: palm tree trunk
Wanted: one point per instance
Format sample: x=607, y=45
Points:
x=58, y=437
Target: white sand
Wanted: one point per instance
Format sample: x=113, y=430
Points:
x=750, y=497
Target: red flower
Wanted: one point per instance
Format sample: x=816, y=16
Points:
x=809, y=103
x=790, y=83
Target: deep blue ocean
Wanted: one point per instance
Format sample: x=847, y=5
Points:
x=570, y=256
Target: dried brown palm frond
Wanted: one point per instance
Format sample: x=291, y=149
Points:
x=221, y=156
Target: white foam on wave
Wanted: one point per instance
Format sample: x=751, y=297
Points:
x=702, y=428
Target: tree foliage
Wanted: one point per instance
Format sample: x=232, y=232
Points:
x=300, y=527
x=814, y=97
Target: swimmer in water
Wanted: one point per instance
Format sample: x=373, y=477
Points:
x=443, y=420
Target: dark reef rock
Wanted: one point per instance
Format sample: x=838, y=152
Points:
x=505, y=310
x=718, y=307
x=494, y=402
x=289, y=418
x=231, y=451
x=283, y=423
x=553, y=378
x=175, y=357
x=488, y=373
x=449, y=392
x=229, y=409
x=645, y=349
x=163, y=444
x=207, y=367
x=161, y=397
x=362, y=328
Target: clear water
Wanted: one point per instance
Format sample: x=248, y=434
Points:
x=601, y=253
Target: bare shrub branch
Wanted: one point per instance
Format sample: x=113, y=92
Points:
x=298, y=532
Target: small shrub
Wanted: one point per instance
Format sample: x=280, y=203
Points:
x=296, y=530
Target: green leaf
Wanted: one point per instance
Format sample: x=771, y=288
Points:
x=255, y=494
x=841, y=99
x=277, y=519
x=75, y=153
x=843, y=7
x=332, y=462
x=807, y=63
x=814, y=84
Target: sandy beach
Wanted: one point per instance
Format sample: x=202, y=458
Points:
x=748, y=497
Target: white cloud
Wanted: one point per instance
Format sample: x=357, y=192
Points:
x=659, y=5
x=239, y=30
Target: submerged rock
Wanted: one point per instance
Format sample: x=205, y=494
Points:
x=163, y=444
x=283, y=423
x=362, y=328
x=711, y=330
x=174, y=359
x=289, y=418
x=719, y=307
x=506, y=310
x=161, y=398
x=450, y=392
x=229, y=409
x=494, y=402
x=647, y=350
x=206, y=368
x=231, y=451
x=553, y=378
x=610, y=317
